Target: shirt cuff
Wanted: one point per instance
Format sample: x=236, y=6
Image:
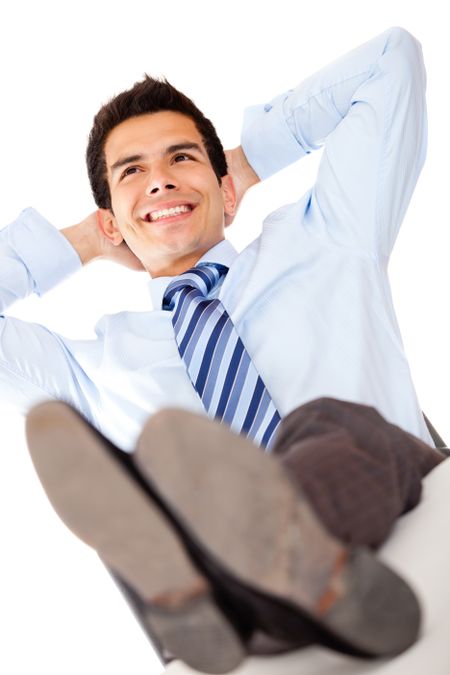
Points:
x=267, y=140
x=46, y=253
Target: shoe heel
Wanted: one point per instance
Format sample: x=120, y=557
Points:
x=265, y=544
x=200, y=633
x=88, y=484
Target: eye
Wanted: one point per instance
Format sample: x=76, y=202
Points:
x=130, y=170
x=181, y=156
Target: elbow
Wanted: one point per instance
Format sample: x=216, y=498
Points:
x=407, y=47
x=406, y=58
x=402, y=35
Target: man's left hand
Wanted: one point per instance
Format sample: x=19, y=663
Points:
x=242, y=174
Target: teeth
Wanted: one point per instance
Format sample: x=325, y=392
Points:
x=166, y=213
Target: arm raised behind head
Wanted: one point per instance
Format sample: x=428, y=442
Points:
x=367, y=110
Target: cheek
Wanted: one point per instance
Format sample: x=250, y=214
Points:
x=219, y=206
x=216, y=199
x=123, y=204
x=124, y=222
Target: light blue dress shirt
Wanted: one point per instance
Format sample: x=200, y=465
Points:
x=310, y=296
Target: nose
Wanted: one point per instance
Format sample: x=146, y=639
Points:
x=154, y=188
x=160, y=181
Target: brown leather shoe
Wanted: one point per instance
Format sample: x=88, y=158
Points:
x=97, y=492
x=258, y=539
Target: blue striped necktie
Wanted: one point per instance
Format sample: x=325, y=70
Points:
x=217, y=362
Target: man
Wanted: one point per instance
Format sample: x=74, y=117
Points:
x=304, y=312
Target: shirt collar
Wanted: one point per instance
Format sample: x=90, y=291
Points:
x=223, y=253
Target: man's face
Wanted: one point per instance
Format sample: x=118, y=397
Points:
x=167, y=202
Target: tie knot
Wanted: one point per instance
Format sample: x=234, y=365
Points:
x=203, y=277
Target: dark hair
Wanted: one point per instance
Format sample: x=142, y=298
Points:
x=147, y=96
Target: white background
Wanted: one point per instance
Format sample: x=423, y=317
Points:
x=59, y=611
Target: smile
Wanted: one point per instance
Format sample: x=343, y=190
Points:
x=168, y=213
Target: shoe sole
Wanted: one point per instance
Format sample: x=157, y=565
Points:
x=261, y=539
x=104, y=505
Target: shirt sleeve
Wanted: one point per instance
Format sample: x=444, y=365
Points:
x=35, y=363
x=35, y=256
x=368, y=112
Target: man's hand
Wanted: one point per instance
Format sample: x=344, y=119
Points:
x=90, y=243
x=242, y=174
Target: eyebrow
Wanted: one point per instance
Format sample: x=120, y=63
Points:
x=126, y=160
x=123, y=161
x=183, y=146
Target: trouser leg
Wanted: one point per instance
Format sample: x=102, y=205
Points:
x=358, y=471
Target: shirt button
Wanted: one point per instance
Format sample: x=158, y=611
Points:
x=267, y=107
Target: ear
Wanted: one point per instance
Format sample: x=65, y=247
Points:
x=229, y=199
x=108, y=226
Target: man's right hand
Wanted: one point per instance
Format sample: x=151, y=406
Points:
x=90, y=243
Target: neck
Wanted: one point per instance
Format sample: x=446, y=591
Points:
x=172, y=268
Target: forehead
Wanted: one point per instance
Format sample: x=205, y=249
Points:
x=149, y=134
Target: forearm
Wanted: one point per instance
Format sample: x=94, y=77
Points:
x=34, y=257
x=297, y=122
